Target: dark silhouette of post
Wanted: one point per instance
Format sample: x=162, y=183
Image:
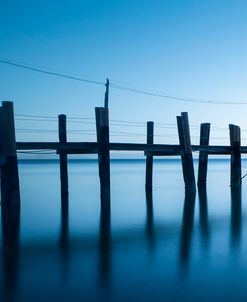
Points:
x=187, y=227
x=150, y=219
x=10, y=250
x=105, y=247
x=64, y=233
x=236, y=215
x=106, y=102
x=62, y=132
x=149, y=158
x=102, y=127
x=203, y=212
x=2, y=144
x=203, y=155
x=235, y=142
x=10, y=190
x=186, y=157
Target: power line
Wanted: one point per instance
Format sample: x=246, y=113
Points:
x=61, y=75
x=177, y=98
x=120, y=87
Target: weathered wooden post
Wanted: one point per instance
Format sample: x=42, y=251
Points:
x=62, y=132
x=149, y=158
x=235, y=142
x=10, y=190
x=102, y=128
x=203, y=155
x=2, y=144
x=186, y=157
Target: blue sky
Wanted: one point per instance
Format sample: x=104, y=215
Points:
x=185, y=48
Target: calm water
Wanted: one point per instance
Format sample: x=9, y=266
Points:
x=179, y=249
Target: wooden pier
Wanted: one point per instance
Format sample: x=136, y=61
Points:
x=10, y=192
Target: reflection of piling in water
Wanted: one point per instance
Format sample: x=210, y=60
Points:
x=64, y=235
x=187, y=226
x=105, y=246
x=203, y=212
x=150, y=219
x=236, y=215
x=10, y=249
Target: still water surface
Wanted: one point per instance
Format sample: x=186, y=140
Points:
x=166, y=246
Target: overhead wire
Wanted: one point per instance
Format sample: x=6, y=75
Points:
x=52, y=73
x=118, y=86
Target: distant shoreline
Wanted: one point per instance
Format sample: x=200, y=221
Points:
x=113, y=160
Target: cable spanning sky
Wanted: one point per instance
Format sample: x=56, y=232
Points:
x=195, y=49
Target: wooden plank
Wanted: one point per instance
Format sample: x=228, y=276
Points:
x=163, y=153
x=93, y=146
x=149, y=158
x=203, y=156
x=10, y=190
x=55, y=146
x=63, y=157
x=154, y=149
x=102, y=128
x=235, y=142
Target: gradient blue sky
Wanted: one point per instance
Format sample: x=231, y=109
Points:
x=186, y=48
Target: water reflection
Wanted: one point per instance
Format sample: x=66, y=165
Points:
x=203, y=214
x=236, y=215
x=64, y=235
x=150, y=219
x=187, y=227
x=105, y=247
x=10, y=249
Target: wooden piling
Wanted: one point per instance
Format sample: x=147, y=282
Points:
x=235, y=143
x=63, y=157
x=10, y=190
x=203, y=155
x=102, y=128
x=149, y=158
x=185, y=144
x=2, y=143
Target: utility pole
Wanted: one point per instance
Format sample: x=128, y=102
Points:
x=106, y=94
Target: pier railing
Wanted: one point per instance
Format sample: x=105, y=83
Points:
x=10, y=192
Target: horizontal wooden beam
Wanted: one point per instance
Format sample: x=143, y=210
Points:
x=212, y=149
x=162, y=153
x=154, y=150
x=92, y=147
x=143, y=147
